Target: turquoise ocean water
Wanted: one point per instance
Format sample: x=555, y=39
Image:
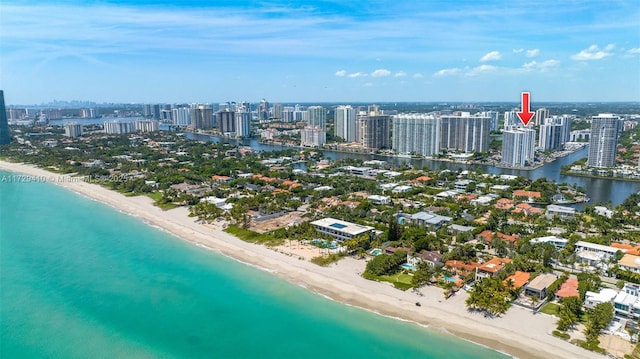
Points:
x=78, y=279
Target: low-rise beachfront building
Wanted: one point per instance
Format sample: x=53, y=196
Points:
x=557, y=242
x=539, y=285
x=568, y=289
x=596, y=255
x=606, y=295
x=491, y=267
x=341, y=230
x=626, y=304
x=460, y=268
x=553, y=210
x=432, y=258
x=517, y=280
x=630, y=263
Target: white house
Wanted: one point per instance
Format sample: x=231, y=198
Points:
x=341, y=230
x=553, y=210
x=556, y=241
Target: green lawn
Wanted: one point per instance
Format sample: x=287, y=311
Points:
x=156, y=196
x=399, y=280
x=253, y=237
x=551, y=308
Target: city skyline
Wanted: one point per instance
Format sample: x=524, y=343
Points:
x=319, y=51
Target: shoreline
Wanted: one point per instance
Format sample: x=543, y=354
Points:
x=519, y=332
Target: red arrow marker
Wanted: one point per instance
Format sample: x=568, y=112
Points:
x=525, y=115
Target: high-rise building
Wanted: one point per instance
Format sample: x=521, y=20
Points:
x=465, y=133
x=201, y=116
x=146, y=125
x=511, y=120
x=5, y=137
x=604, y=140
x=263, y=110
x=277, y=111
x=541, y=115
x=551, y=136
x=518, y=147
x=243, y=123
x=316, y=117
x=72, y=129
x=181, y=116
x=313, y=136
x=554, y=132
x=416, y=133
x=227, y=122
x=88, y=113
x=373, y=131
x=345, y=123
x=116, y=127
x=287, y=114
x=495, y=119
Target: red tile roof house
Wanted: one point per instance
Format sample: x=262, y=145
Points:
x=517, y=280
x=491, y=267
x=568, y=289
x=504, y=203
x=530, y=195
x=461, y=269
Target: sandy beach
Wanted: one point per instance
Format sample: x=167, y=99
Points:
x=519, y=333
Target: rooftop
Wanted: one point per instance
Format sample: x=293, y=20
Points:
x=629, y=260
x=494, y=265
x=342, y=226
x=542, y=281
x=569, y=288
x=518, y=279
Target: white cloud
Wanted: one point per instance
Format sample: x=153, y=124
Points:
x=417, y=75
x=447, y=72
x=593, y=52
x=380, y=73
x=491, y=56
x=357, y=74
x=368, y=84
x=517, y=51
x=542, y=66
x=481, y=69
x=341, y=73
x=400, y=74
x=634, y=51
x=533, y=52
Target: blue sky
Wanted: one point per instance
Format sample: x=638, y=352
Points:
x=307, y=51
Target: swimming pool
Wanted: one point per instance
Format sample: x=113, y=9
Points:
x=450, y=279
x=408, y=266
x=376, y=251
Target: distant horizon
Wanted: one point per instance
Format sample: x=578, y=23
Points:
x=442, y=103
x=151, y=51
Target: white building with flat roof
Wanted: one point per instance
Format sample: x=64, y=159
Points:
x=341, y=230
x=556, y=241
x=377, y=199
x=596, y=255
x=553, y=210
x=606, y=295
